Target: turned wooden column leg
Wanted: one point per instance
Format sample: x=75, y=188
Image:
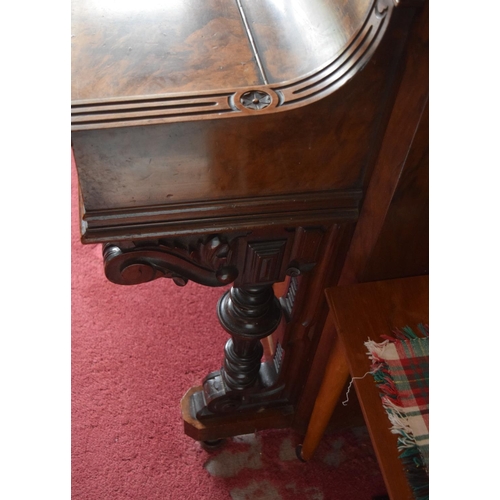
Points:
x=244, y=383
x=336, y=375
x=249, y=314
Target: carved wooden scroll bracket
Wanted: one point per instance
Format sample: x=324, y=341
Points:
x=206, y=263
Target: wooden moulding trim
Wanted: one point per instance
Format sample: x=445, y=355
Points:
x=225, y=208
x=149, y=110
x=343, y=67
x=214, y=225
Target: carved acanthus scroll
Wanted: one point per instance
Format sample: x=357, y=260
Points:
x=208, y=262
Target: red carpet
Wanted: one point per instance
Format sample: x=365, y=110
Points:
x=135, y=352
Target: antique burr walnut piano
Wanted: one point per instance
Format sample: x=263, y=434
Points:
x=259, y=144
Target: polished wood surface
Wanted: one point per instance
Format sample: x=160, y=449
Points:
x=407, y=220
x=145, y=48
x=227, y=160
x=149, y=47
x=296, y=38
x=403, y=155
x=334, y=379
x=316, y=142
x=391, y=235
x=361, y=312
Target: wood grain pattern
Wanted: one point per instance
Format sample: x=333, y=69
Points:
x=402, y=247
x=406, y=115
x=149, y=47
x=295, y=38
x=309, y=48
x=334, y=380
x=321, y=148
x=396, y=36
x=368, y=311
x=141, y=182
x=304, y=329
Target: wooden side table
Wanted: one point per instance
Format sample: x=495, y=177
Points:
x=359, y=312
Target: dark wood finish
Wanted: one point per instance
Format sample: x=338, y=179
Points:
x=234, y=424
x=249, y=314
x=308, y=310
x=209, y=147
x=208, y=261
x=391, y=235
x=368, y=311
x=397, y=153
x=402, y=247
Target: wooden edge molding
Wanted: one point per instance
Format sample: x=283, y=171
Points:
x=214, y=217
x=149, y=110
x=147, y=231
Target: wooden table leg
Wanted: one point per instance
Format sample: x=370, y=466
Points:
x=336, y=374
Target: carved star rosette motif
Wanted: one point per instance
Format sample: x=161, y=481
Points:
x=255, y=99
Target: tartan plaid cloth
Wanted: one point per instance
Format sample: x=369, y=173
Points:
x=400, y=366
